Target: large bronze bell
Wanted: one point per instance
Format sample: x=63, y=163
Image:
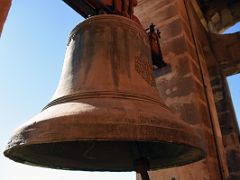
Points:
x=106, y=114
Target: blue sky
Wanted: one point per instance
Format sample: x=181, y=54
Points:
x=32, y=48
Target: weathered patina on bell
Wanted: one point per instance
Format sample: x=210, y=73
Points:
x=106, y=113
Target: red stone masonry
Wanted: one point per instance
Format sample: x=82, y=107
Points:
x=4, y=8
x=186, y=89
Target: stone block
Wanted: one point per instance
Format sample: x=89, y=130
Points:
x=204, y=115
x=235, y=177
x=226, y=16
x=225, y=123
x=174, y=46
x=233, y=157
x=173, y=29
x=165, y=13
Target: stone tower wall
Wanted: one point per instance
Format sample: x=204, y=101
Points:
x=187, y=88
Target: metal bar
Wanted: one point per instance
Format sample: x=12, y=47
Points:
x=81, y=7
x=88, y=8
x=145, y=176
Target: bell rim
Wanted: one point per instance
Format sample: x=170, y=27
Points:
x=162, y=117
x=201, y=155
x=135, y=125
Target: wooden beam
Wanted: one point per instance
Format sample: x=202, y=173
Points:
x=82, y=7
x=88, y=8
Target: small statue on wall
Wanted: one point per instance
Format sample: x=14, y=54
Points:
x=154, y=39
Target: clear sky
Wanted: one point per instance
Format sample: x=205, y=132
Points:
x=32, y=49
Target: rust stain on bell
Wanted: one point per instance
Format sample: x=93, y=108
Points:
x=106, y=112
